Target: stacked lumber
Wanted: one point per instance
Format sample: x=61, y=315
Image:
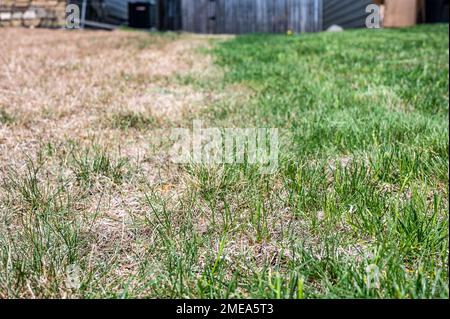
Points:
x=32, y=13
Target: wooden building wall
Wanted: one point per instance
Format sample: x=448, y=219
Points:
x=169, y=15
x=251, y=16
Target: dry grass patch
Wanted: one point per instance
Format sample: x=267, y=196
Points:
x=82, y=146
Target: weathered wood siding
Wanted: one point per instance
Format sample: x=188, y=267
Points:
x=251, y=16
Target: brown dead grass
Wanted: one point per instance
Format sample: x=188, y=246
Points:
x=61, y=85
x=63, y=88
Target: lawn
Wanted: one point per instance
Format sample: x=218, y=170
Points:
x=91, y=206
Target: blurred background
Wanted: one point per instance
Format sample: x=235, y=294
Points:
x=223, y=16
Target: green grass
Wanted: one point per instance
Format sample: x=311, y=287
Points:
x=5, y=117
x=92, y=162
x=357, y=209
x=130, y=120
x=365, y=114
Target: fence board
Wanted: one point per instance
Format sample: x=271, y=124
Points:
x=251, y=16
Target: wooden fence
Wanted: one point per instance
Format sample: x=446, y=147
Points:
x=251, y=16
